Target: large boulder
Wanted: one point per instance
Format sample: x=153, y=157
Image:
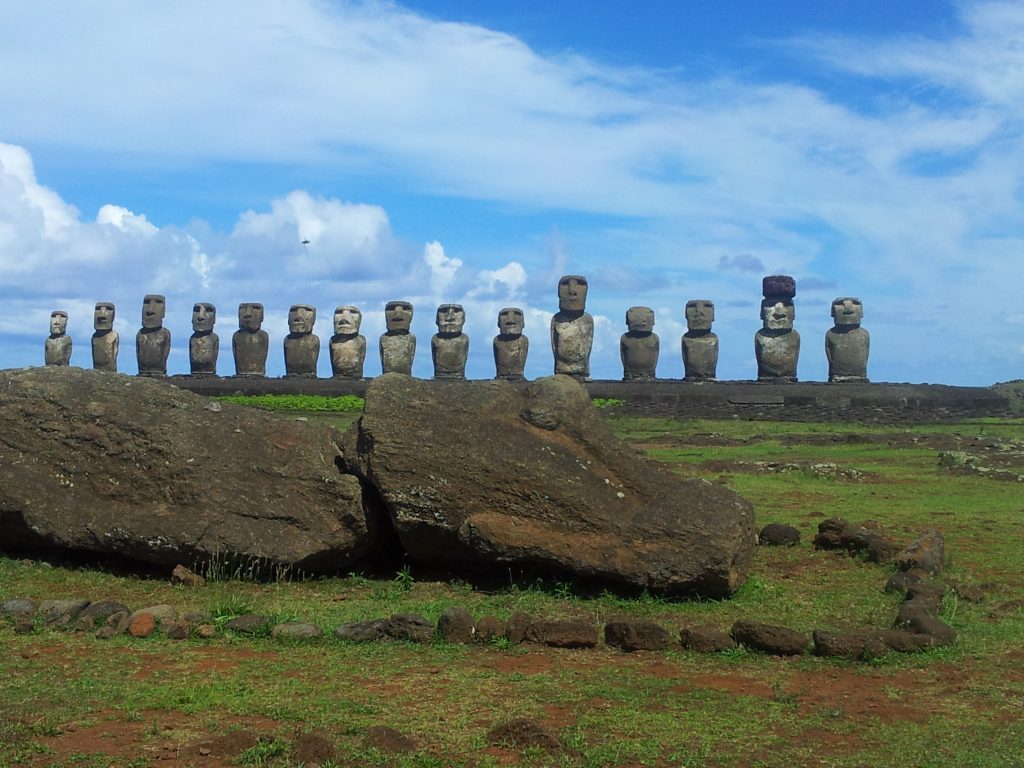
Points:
x=489, y=475
x=116, y=465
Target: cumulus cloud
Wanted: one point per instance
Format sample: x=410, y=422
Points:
x=741, y=262
x=442, y=268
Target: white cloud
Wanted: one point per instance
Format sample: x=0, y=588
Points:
x=442, y=268
x=125, y=220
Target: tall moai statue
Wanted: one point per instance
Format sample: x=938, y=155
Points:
x=846, y=343
x=348, y=347
x=777, y=344
x=700, y=343
x=250, y=343
x=301, y=345
x=57, y=349
x=639, y=346
x=153, y=341
x=204, y=344
x=572, y=329
x=397, y=343
x=105, y=341
x=449, y=347
x=510, y=345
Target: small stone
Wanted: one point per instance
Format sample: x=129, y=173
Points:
x=926, y=552
x=19, y=608
x=901, y=581
x=142, y=625
x=206, y=631
x=563, y=633
x=176, y=630
x=249, y=624
x=59, y=614
x=778, y=535
x=409, y=626
x=85, y=623
x=488, y=628
x=705, y=639
x=456, y=625
x=161, y=614
x=186, y=578
x=24, y=626
x=768, y=638
x=296, y=631
x=636, y=635
x=516, y=627
x=929, y=625
x=106, y=632
x=969, y=593
x=858, y=646
x=362, y=631
x=103, y=609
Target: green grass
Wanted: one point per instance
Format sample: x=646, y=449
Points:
x=306, y=403
x=957, y=706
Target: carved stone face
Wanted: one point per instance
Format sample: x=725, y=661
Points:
x=511, y=322
x=58, y=323
x=153, y=308
x=777, y=315
x=398, y=315
x=250, y=316
x=848, y=311
x=640, y=319
x=572, y=293
x=347, y=320
x=450, y=318
x=700, y=313
x=203, y=317
x=103, y=316
x=301, y=318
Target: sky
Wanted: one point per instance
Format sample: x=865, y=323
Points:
x=465, y=152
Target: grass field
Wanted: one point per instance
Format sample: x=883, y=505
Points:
x=67, y=699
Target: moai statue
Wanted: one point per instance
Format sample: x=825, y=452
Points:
x=301, y=345
x=397, y=344
x=639, y=346
x=250, y=343
x=572, y=329
x=204, y=344
x=777, y=345
x=57, y=349
x=449, y=347
x=700, y=344
x=847, y=344
x=348, y=347
x=153, y=341
x=105, y=342
x=510, y=345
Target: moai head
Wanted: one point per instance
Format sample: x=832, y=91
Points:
x=103, y=316
x=450, y=319
x=510, y=321
x=398, y=316
x=301, y=318
x=848, y=311
x=777, y=314
x=250, y=316
x=58, y=323
x=700, y=314
x=347, y=320
x=153, y=308
x=640, y=319
x=203, y=317
x=572, y=293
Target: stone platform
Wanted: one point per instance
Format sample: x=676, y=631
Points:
x=803, y=401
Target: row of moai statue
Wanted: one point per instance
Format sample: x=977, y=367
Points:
x=776, y=344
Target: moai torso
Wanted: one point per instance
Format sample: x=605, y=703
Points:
x=348, y=348
x=301, y=346
x=250, y=343
x=847, y=344
x=449, y=347
x=204, y=344
x=700, y=343
x=57, y=348
x=104, y=350
x=639, y=346
x=572, y=329
x=777, y=344
x=153, y=341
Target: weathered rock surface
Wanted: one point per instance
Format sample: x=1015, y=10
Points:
x=636, y=635
x=97, y=462
x=768, y=638
x=705, y=639
x=485, y=475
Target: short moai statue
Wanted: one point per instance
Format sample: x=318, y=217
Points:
x=572, y=329
x=449, y=347
x=250, y=344
x=348, y=347
x=846, y=343
x=301, y=345
x=105, y=341
x=397, y=343
x=639, y=346
x=700, y=343
x=777, y=344
x=153, y=341
x=204, y=344
x=510, y=345
x=57, y=349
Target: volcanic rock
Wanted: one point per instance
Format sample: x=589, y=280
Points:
x=488, y=476
x=101, y=462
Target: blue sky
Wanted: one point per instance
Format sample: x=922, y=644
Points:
x=473, y=152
